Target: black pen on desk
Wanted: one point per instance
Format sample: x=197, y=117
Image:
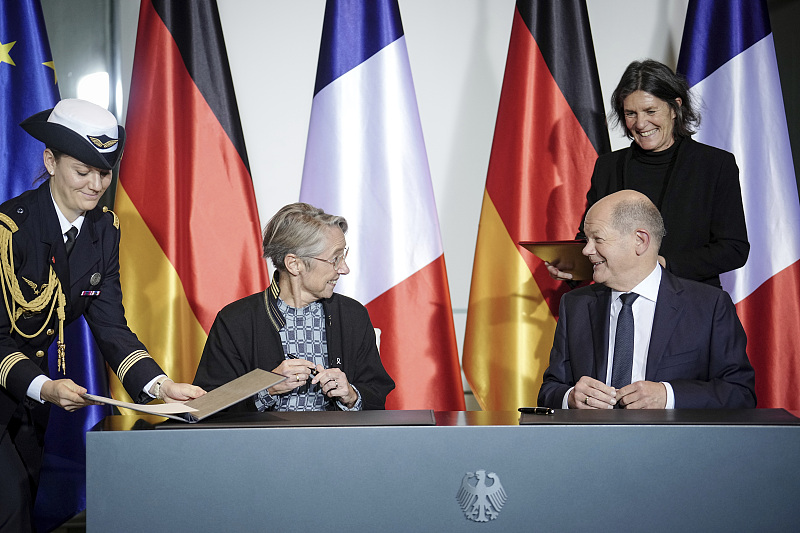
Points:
x=537, y=410
x=293, y=356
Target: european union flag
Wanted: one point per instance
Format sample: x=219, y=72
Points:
x=28, y=84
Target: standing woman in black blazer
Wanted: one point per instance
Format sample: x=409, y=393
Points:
x=59, y=259
x=695, y=186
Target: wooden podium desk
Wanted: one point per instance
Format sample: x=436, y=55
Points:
x=571, y=471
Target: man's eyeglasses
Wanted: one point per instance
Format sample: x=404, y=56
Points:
x=336, y=261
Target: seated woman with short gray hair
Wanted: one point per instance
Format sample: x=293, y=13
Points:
x=323, y=342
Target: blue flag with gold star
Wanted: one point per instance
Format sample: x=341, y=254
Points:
x=27, y=86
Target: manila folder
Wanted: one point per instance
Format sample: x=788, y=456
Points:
x=210, y=403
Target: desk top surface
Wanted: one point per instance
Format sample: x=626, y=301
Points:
x=684, y=417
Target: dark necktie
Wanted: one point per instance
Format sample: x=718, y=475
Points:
x=71, y=234
x=623, y=343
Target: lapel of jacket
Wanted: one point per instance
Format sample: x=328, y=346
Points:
x=622, y=164
x=51, y=236
x=86, y=252
x=333, y=333
x=675, y=172
x=668, y=311
x=599, y=309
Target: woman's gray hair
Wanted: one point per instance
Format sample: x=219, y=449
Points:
x=298, y=229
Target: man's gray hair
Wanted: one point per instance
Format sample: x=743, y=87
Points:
x=298, y=229
x=630, y=215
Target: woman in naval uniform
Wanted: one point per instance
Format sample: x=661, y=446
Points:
x=59, y=259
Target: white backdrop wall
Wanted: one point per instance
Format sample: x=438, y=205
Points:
x=457, y=50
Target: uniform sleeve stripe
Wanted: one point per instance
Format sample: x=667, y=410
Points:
x=8, y=362
x=129, y=361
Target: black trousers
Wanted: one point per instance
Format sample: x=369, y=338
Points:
x=21, y=447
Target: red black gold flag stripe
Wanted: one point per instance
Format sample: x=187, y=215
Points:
x=550, y=128
x=190, y=229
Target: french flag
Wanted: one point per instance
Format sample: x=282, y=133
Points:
x=728, y=56
x=366, y=160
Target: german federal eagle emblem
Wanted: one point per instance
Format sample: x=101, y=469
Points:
x=103, y=142
x=481, y=496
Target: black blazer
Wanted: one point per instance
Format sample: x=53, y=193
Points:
x=93, y=267
x=702, y=209
x=243, y=338
x=697, y=345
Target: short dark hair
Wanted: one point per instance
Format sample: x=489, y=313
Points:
x=657, y=79
x=298, y=229
x=630, y=214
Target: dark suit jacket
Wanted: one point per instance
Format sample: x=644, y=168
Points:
x=243, y=338
x=697, y=345
x=38, y=244
x=702, y=209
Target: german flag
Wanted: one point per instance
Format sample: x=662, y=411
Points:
x=190, y=230
x=550, y=129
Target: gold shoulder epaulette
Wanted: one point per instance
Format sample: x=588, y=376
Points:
x=116, y=218
x=9, y=222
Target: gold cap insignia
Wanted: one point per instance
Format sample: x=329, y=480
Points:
x=103, y=142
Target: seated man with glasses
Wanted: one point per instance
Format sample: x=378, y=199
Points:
x=298, y=327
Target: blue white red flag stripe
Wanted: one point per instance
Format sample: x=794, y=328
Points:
x=728, y=57
x=366, y=160
x=349, y=37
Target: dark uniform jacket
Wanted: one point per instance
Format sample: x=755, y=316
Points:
x=246, y=335
x=93, y=269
